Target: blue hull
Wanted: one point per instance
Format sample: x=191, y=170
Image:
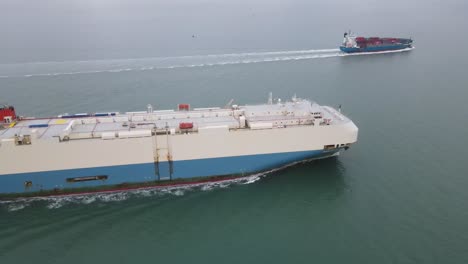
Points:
x=146, y=172
x=375, y=48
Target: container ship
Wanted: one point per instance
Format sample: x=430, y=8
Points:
x=109, y=151
x=352, y=44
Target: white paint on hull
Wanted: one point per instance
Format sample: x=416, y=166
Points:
x=47, y=155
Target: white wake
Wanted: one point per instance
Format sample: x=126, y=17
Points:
x=37, y=69
x=55, y=202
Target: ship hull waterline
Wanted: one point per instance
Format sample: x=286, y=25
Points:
x=135, y=176
x=375, y=49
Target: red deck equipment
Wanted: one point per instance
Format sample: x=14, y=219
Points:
x=186, y=125
x=6, y=111
x=184, y=107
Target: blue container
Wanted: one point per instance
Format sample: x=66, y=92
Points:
x=38, y=125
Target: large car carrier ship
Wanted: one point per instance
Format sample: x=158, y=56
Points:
x=112, y=151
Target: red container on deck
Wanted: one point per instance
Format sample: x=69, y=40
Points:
x=186, y=125
x=7, y=111
x=184, y=107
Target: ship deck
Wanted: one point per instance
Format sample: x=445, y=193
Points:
x=298, y=112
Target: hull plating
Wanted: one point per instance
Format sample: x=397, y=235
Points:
x=375, y=48
x=146, y=172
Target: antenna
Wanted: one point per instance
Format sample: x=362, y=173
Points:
x=229, y=103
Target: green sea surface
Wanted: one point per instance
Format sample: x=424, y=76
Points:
x=399, y=195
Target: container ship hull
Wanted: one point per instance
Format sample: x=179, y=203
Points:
x=375, y=48
x=96, y=153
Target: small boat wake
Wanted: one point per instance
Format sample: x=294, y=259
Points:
x=51, y=69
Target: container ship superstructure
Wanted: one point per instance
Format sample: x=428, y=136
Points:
x=353, y=44
x=108, y=151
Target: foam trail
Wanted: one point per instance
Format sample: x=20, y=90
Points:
x=41, y=69
x=271, y=53
x=51, y=69
x=56, y=202
x=115, y=61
